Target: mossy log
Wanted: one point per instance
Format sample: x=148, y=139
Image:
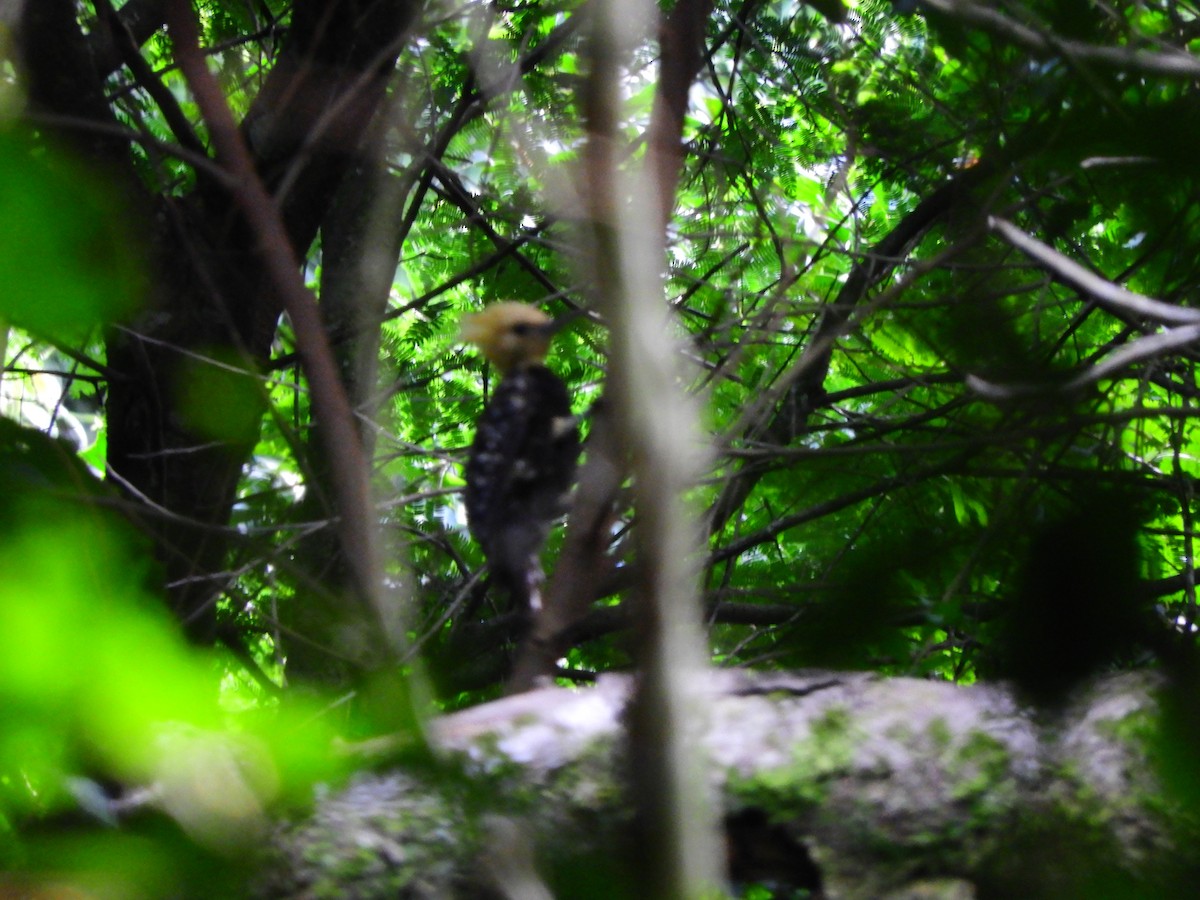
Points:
x=833, y=785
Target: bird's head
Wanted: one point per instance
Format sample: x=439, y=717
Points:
x=510, y=334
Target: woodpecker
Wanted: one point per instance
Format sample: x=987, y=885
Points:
x=522, y=461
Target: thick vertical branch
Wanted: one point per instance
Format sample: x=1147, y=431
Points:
x=659, y=426
x=681, y=45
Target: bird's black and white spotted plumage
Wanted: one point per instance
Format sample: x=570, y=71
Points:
x=521, y=466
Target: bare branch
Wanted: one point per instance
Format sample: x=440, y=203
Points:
x=1148, y=347
x=1111, y=296
x=1173, y=64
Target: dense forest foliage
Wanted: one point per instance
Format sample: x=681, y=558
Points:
x=930, y=267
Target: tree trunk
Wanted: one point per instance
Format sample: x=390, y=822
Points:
x=208, y=297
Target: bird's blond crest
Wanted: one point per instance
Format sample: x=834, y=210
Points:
x=510, y=334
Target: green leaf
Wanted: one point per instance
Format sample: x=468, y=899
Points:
x=67, y=257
